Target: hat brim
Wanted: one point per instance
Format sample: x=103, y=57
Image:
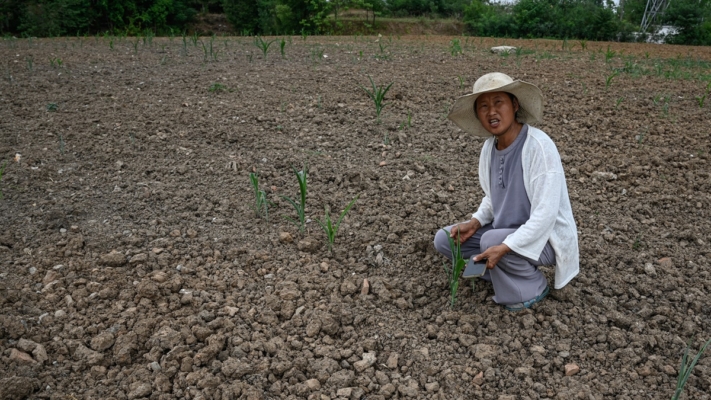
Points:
x=530, y=100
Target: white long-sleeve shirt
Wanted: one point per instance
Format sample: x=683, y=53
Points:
x=551, y=217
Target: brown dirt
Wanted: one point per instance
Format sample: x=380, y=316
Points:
x=132, y=266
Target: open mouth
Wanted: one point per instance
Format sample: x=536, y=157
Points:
x=494, y=122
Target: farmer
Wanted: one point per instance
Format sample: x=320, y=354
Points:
x=525, y=219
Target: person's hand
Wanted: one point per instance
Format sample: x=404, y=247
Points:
x=465, y=230
x=493, y=255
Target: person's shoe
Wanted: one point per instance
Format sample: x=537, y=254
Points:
x=528, y=304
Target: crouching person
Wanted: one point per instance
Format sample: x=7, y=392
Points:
x=525, y=219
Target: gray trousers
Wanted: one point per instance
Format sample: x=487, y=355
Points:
x=515, y=278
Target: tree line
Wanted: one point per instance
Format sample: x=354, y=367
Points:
x=562, y=19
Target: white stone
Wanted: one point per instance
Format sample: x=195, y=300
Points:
x=503, y=49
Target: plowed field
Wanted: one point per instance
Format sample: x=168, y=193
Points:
x=133, y=264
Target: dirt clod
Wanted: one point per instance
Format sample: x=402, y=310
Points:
x=113, y=259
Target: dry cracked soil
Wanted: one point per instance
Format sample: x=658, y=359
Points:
x=133, y=265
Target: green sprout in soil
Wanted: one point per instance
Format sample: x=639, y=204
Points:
x=316, y=53
x=383, y=55
x=300, y=207
x=377, y=95
x=185, y=44
x=453, y=273
x=217, y=88
x=461, y=81
x=282, y=44
x=331, y=229
x=583, y=44
x=260, y=198
x=609, y=54
x=2, y=170
x=55, y=62
x=686, y=367
x=701, y=99
x=30, y=62
x=209, y=52
x=52, y=107
x=263, y=45
x=608, y=79
x=455, y=47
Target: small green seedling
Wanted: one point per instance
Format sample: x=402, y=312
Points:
x=263, y=45
x=608, y=79
x=701, y=99
x=619, y=101
x=260, y=198
x=55, y=62
x=458, y=264
x=317, y=53
x=208, y=51
x=455, y=47
x=686, y=367
x=461, y=81
x=30, y=62
x=377, y=95
x=217, y=88
x=301, y=207
x=282, y=44
x=329, y=228
x=583, y=44
x=383, y=55
x=52, y=107
x=609, y=54
x=2, y=170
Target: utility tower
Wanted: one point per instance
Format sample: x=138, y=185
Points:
x=652, y=10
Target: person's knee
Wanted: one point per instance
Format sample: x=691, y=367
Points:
x=489, y=239
x=441, y=242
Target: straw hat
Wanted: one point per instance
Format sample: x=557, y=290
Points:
x=530, y=100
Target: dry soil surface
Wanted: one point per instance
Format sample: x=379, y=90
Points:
x=132, y=264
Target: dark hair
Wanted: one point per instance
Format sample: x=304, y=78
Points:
x=512, y=97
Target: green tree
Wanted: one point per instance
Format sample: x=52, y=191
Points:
x=691, y=19
x=242, y=15
x=11, y=12
x=486, y=19
x=55, y=18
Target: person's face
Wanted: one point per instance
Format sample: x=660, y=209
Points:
x=496, y=112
